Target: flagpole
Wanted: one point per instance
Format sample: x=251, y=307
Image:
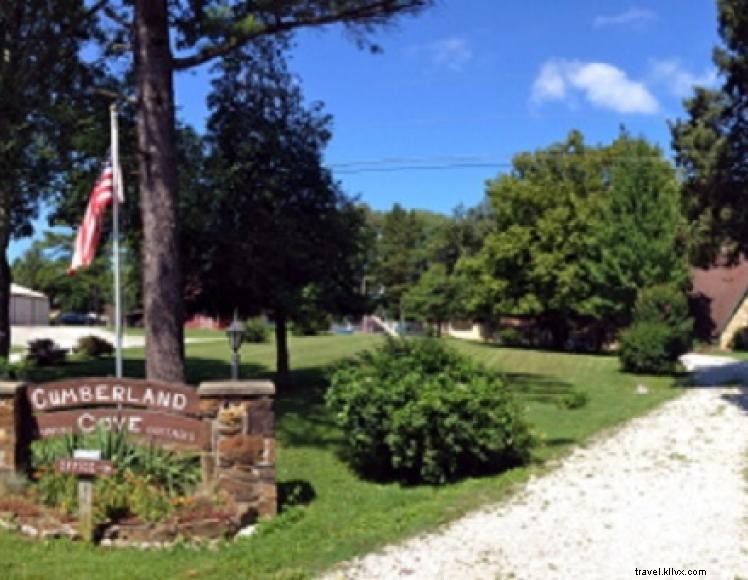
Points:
x=116, y=192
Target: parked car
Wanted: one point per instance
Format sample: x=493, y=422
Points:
x=75, y=318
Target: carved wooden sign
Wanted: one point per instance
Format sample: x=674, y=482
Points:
x=92, y=467
x=156, y=410
x=109, y=392
x=184, y=431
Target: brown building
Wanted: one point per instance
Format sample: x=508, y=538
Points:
x=719, y=301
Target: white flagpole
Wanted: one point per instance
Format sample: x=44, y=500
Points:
x=116, y=191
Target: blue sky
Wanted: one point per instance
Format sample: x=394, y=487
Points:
x=462, y=87
x=470, y=82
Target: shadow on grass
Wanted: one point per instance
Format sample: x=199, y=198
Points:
x=546, y=350
x=559, y=442
x=294, y=492
x=303, y=419
x=541, y=388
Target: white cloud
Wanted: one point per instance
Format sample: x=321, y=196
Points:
x=634, y=17
x=601, y=84
x=679, y=81
x=452, y=53
x=549, y=84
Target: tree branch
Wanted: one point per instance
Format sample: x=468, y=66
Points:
x=110, y=13
x=114, y=95
x=367, y=13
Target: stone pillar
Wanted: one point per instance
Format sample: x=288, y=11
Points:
x=242, y=456
x=11, y=436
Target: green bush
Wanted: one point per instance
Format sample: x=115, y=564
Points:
x=145, y=481
x=574, y=399
x=661, y=331
x=93, y=346
x=646, y=347
x=509, y=337
x=256, y=331
x=45, y=352
x=662, y=303
x=416, y=411
x=311, y=325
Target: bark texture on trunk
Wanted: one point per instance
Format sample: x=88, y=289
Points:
x=281, y=344
x=157, y=161
x=5, y=280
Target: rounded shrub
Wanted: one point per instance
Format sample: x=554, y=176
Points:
x=646, y=347
x=256, y=331
x=45, y=352
x=417, y=411
x=661, y=331
x=93, y=346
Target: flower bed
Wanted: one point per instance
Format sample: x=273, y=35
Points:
x=152, y=496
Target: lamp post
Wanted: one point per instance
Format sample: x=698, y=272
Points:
x=235, y=333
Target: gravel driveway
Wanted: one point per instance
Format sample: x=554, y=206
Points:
x=665, y=491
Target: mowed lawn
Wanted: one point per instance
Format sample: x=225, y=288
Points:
x=347, y=516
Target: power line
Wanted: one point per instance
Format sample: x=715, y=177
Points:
x=442, y=162
x=384, y=169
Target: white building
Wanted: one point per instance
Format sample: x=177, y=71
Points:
x=28, y=307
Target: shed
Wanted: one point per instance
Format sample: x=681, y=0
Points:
x=28, y=307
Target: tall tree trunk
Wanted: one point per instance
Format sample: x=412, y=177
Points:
x=157, y=162
x=5, y=280
x=281, y=343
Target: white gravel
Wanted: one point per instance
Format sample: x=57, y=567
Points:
x=665, y=491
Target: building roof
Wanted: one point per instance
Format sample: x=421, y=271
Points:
x=16, y=290
x=720, y=290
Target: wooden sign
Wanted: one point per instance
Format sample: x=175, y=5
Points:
x=183, y=431
x=111, y=392
x=90, y=467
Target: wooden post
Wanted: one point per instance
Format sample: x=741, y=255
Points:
x=85, y=508
x=86, y=464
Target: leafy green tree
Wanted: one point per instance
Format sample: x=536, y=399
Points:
x=400, y=257
x=42, y=82
x=640, y=234
x=536, y=262
x=459, y=235
x=44, y=267
x=274, y=232
x=711, y=145
x=167, y=37
x=433, y=297
x=579, y=231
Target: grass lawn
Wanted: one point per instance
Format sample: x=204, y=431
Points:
x=347, y=516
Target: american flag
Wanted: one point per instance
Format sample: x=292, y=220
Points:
x=90, y=230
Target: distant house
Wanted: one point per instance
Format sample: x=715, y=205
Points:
x=28, y=307
x=719, y=301
x=466, y=330
x=207, y=322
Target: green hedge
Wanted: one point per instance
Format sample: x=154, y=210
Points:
x=416, y=411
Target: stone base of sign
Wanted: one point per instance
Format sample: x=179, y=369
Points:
x=242, y=457
x=238, y=453
x=11, y=405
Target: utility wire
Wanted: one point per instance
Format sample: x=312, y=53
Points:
x=392, y=164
